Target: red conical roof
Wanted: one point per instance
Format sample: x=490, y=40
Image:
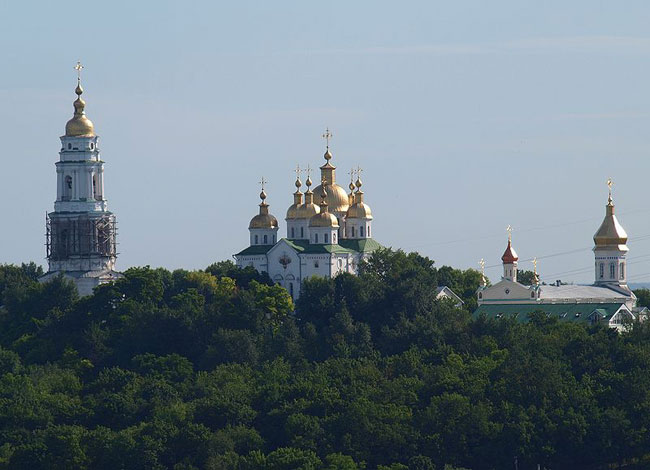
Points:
x=510, y=255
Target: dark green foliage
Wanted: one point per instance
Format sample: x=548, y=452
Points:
x=213, y=369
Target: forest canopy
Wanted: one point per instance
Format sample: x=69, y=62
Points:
x=218, y=369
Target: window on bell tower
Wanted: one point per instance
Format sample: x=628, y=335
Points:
x=67, y=188
x=601, y=274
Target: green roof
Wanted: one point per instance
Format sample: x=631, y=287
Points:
x=363, y=246
x=564, y=312
x=255, y=250
x=303, y=246
x=344, y=246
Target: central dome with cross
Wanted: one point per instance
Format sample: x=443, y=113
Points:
x=335, y=196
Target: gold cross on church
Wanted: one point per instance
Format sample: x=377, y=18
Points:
x=79, y=67
x=610, y=183
x=327, y=136
x=263, y=182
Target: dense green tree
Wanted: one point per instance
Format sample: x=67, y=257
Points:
x=214, y=369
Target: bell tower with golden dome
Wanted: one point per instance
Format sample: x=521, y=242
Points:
x=610, y=248
x=81, y=232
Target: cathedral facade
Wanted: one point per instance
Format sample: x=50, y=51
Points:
x=608, y=299
x=329, y=231
x=81, y=231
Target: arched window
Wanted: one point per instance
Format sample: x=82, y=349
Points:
x=326, y=238
x=601, y=273
x=622, y=271
x=315, y=238
x=612, y=270
x=292, y=234
x=334, y=238
x=69, y=146
x=256, y=240
x=368, y=231
x=352, y=232
x=96, y=193
x=532, y=295
x=266, y=239
x=67, y=188
x=92, y=146
x=361, y=231
x=291, y=288
x=480, y=295
x=274, y=239
x=302, y=232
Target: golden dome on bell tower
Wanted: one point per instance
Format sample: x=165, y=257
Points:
x=610, y=233
x=79, y=125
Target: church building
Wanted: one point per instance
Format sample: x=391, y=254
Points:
x=329, y=231
x=81, y=231
x=608, y=299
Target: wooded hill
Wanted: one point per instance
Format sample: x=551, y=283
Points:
x=214, y=370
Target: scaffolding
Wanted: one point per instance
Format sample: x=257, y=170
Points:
x=80, y=236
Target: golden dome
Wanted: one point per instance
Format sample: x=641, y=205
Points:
x=324, y=219
x=292, y=212
x=359, y=210
x=307, y=210
x=263, y=219
x=610, y=233
x=79, y=125
x=336, y=197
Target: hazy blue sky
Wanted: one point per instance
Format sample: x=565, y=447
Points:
x=466, y=117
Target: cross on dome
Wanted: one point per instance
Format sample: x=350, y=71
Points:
x=327, y=136
x=79, y=67
x=610, y=183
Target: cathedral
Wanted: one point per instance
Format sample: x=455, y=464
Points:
x=329, y=231
x=608, y=299
x=81, y=231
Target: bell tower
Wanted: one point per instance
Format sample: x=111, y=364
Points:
x=510, y=259
x=81, y=231
x=610, y=248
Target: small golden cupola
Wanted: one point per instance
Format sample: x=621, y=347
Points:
x=352, y=187
x=263, y=219
x=79, y=125
x=263, y=227
x=359, y=209
x=610, y=234
x=292, y=212
x=324, y=218
x=308, y=209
